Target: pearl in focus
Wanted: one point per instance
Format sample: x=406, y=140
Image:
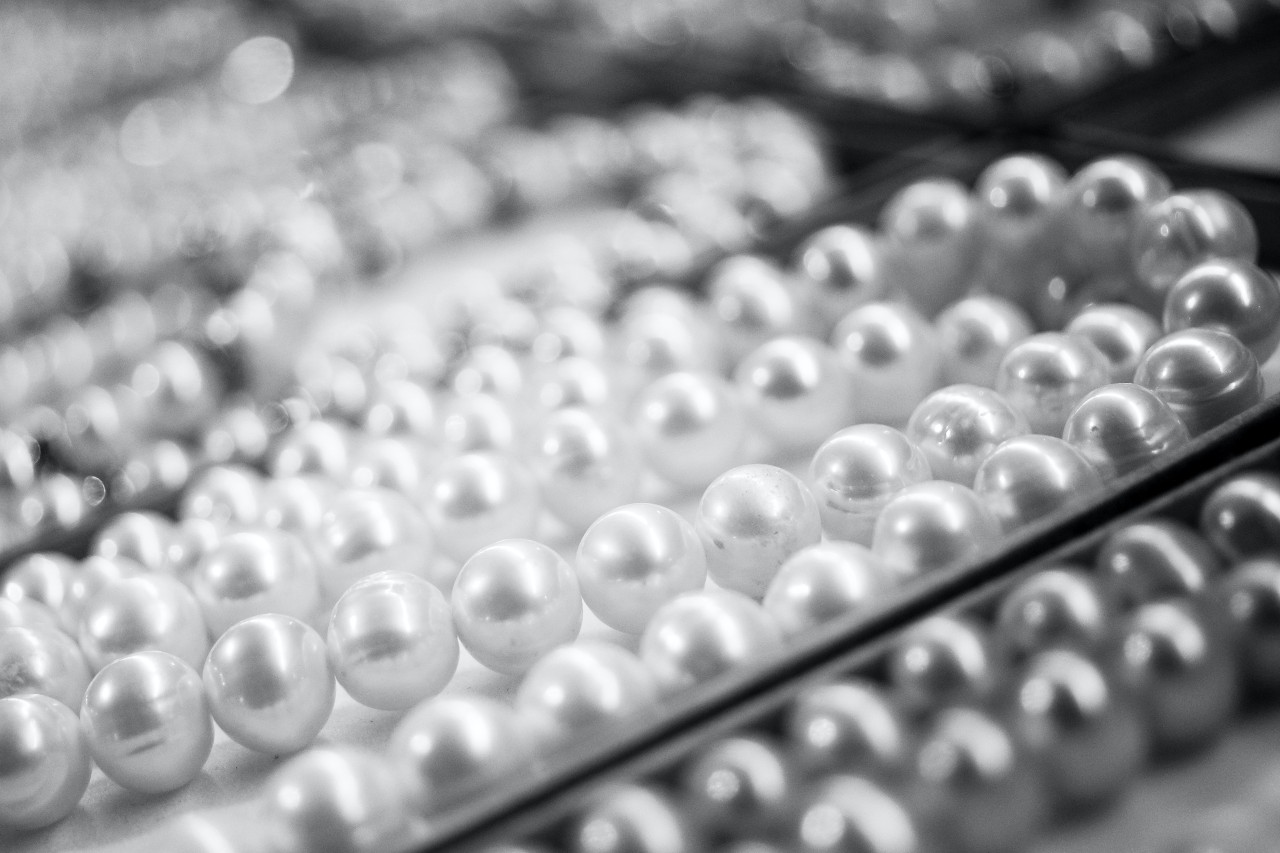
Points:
x=853, y=813
x=513, y=602
x=365, y=531
x=587, y=462
x=691, y=427
x=795, y=390
x=974, y=334
x=959, y=426
x=1241, y=517
x=841, y=268
x=857, y=471
x=44, y=762
x=824, y=582
x=139, y=614
x=1047, y=375
x=701, y=635
x=42, y=660
x=143, y=537
x=1231, y=295
x=1054, y=608
x=740, y=785
x=480, y=498
x=930, y=231
x=270, y=684
x=1205, y=375
x=1121, y=333
x=252, y=572
x=893, y=357
x=931, y=525
x=1122, y=428
x=847, y=726
x=634, y=819
x=1033, y=476
x=147, y=723
x=391, y=641
x=1150, y=560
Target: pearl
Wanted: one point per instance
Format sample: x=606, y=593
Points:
x=698, y=636
x=1241, y=517
x=44, y=577
x=894, y=359
x=1121, y=333
x=44, y=762
x=26, y=614
x=857, y=471
x=574, y=382
x=568, y=332
x=391, y=641
x=841, y=268
x=1150, y=560
x=1016, y=199
x=634, y=559
x=750, y=520
x=586, y=463
x=795, y=391
x=750, y=304
x=1229, y=295
x=740, y=786
x=139, y=613
x=90, y=578
x=225, y=494
x=478, y=423
x=296, y=504
x=455, y=748
x=1047, y=375
x=958, y=427
x=665, y=338
x=691, y=427
x=930, y=232
x=480, y=498
x=824, y=582
x=400, y=407
x=143, y=537
x=850, y=813
x=319, y=447
x=96, y=433
x=943, y=660
x=633, y=819
x=146, y=719
x=401, y=464
x=489, y=369
x=930, y=525
x=1033, y=476
x=1053, y=608
x=178, y=386
x=1250, y=598
x=269, y=683
x=1206, y=376
x=1122, y=428
x=18, y=458
x=238, y=434
x=252, y=572
x=974, y=334
x=42, y=660
x=1102, y=207
x=513, y=602
x=847, y=726
x=372, y=530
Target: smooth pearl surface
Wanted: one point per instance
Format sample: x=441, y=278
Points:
x=1241, y=517
x=147, y=722
x=365, y=531
x=319, y=447
x=1033, y=476
x=252, y=572
x=192, y=539
x=851, y=813
x=489, y=369
x=750, y=304
x=1231, y=295
x=225, y=494
x=1047, y=375
x=296, y=504
x=824, y=582
x=139, y=614
x=270, y=684
x=391, y=641
x=44, y=762
x=930, y=231
x=480, y=498
x=480, y=423
x=1250, y=596
x=1149, y=560
x=88, y=580
x=574, y=382
x=941, y=661
x=691, y=427
x=1016, y=198
x=44, y=578
x=673, y=338
x=701, y=635
x=633, y=819
x=893, y=357
x=44, y=661
x=741, y=785
x=401, y=464
x=400, y=407
x=750, y=520
x=849, y=726
x=587, y=462
x=1205, y=375
x=1122, y=428
x=931, y=525
x=1121, y=332
x=959, y=426
x=26, y=614
x=513, y=602
x=974, y=334
x=143, y=537
x=1056, y=607
x=795, y=391
x=1102, y=207
x=842, y=268
x=855, y=472
x=178, y=385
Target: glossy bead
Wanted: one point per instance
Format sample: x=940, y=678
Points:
x=893, y=357
x=179, y=386
x=1033, y=476
x=1122, y=428
x=44, y=762
x=1121, y=333
x=225, y=494
x=1056, y=607
x=849, y=813
x=574, y=383
x=296, y=504
x=700, y=635
x=739, y=785
x=402, y=464
x=568, y=332
x=1241, y=517
x=824, y=582
x=841, y=267
x=147, y=722
x=847, y=726
x=252, y=572
x=42, y=660
x=488, y=369
x=930, y=232
x=1047, y=375
x=27, y=614
x=633, y=819
x=454, y=748
x=750, y=304
x=691, y=427
x=1016, y=198
x=1206, y=376
x=1231, y=295
x=795, y=391
x=1102, y=207
x=1150, y=560
x=44, y=577
x=317, y=447
x=90, y=578
x=750, y=520
x=857, y=471
x=143, y=537
x=391, y=641
x=142, y=613
x=400, y=407
x=634, y=559
x=372, y=530
x=672, y=338
x=931, y=525
x=974, y=334
x=959, y=426
x=478, y=424
x=941, y=661
x=1250, y=597
x=480, y=498
x=513, y=602
x=269, y=683
x=586, y=463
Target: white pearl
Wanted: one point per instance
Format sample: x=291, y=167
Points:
x=1121, y=333
x=974, y=334
x=852, y=813
x=1032, y=476
x=750, y=304
x=143, y=537
x=44, y=661
x=691, y=427
x=317, y=447
x=930, y=233
x=93, y=575
x=252, y=572
x=659, y=340
x=1206, y=376
x=739, y=785
x=1017, y=198
x=587, y=462
x=513, y=602
x=147, y=722
x=139, y=614
x=574, y=382
x=400, y=407
x=179, y=386
x=636, y=558
x=44, y=577
x=478, y=423
x=192, y=539
x=44, y=762
x=959, y=426
x=795, y=390
x=893, y=356
x=847, y=725
x=372, y=530
x=402, y=464
x=225, y=494
x=1047, y=375
x=698, y=636
x=841, y=266
x=568, y=332
x=931, y=525
x=480, y=498
x=27, y=613
x=489, y=369
x=238, y=434
x=824, y=582
x=855, y=473
x=391, y=641
x=1102, y=209
x=296, y=504
x=269, y=683
x=1123, y=427
x=629, y=818
x=1056, y=607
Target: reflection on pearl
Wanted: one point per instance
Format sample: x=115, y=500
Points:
x=739, y=785
x=941, y=661
x=847, y=726
x=750, y=304
x=958, y=427
x=587, y=463
x=141, y=613
x=480, y=498
x=574, y=382
x=488, y=369
x=44, y=762
x=42, y=660
x=824, y=582
x=1122, y=428
x=478, y=424
x=192, y=539
x=372, y=530
x=1058, y=607
x=841, y=269
x=26, y=614
x=143, y=537
x=974, y=334
x=701, y=635
x=320, y=448
x=664, y=339
x=1121, y=333
x=1102, y=208
x=1016, y=199
x=930, y=232
x=795, y=390
x=1206, y=376
x=634, y=819
x=1150, y=560
x=147, y=722
x=93, y=575
x=851, y=813
x=691, y=427
x=225, y=494
x=1033, y=476
x=1250, y=597
x=1241, y=517
x=44, y=577
x=857, y=471
x=930, y=525
x=1230, y=295
x=296, y=504
x=1047, y=375
x=252, y=572
x=892, y=354
x=400, y=407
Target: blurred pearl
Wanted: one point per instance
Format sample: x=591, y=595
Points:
x=18, y=457
x=958, y=427
x=1241, y=517
x=478, y=423
x=943, y=660
x=391, y=641
x=633, y=819
x=27, y=613
x=44, y=577
x=513, y=602
x=698, y=636
x=750, y=520
x=1250, y=596
x=587, y=463
x=1087, y=738
x=296, y=504
x=178, y=386
x=143, y=537
x=1047, y=375
x=192, y=538
x=574, y=382
x=930, y=231
x=335, y=800
x=1229, y=295
x=141, y=613
x=1058, y=607
x=97, y=431
x=893, y=357
x=849, y=813
x=847, y=726
x=90, y=578
x=401, y=464
x=252, y=572
x=568, y=332
x=269, y=683
x=739, y=785
x=480, y=498
x=974, y=334
x=491, y=370
x=842, y=268
x=824, y=582
x=795, y=391
x=931, y=525
x=1033, y=476
x=225, y=494
x=147, y=723
x=691, y=427
x=400, y=407
x=1149, y=560
x=44, y=762
x=1122, y=428
x=1102, y=207
x=1016, y=198
x=1121, y=333
x=237, y=434
x=857, y=471
x=42, y=660
x=665, y=339
x=372, y=530
x=1206, y=376
x=636, y=558
x=750, y=304
x=455, y=748
x=317, y=447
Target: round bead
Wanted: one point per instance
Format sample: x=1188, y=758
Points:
x=1122, y=428
x=587, y=462
x=739, y=785
x=296, y=504
x=795, y=390
x=1032, y=476
x=237, y=434
x=633, y=819
x=1250, y=597
x=400, y=407
x=931, y=525
x=1241, y=517
x=178, y=386
x=143, y=537
x=26, y=614
x=658, y=340
x=252, y=572
x=930, y=232
x=857, y=471
x=489, y=369
x=824, y=582
x=1016, y=197
x=1057, y=607
x=893, y=357
x=1047, y=375
x=847, y=726
x=750, y=520
x=513, y=602
x=480, y=498
x=42, y=660
x=691, y=427
x=142, y=613
x=701, y=635
x=1205, y=375
x=147, y=723
x=974, y=334
x=750, y=304
x=480, y=423
x=574, y=382
x=365, y=531
x=842, y=268
x=225, y=494
x=1102, y=207
x=270, y=684
x=316, y=447
x=959, y=426
x=391, y=641
x=1230, y=295
x=1149, y=560
x=89, y=579
x=940, y=661
x=1121, y=333
x=44, y=762
x=401, y=464
x=44, y=577
x=636, y=558
x=851, y=813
